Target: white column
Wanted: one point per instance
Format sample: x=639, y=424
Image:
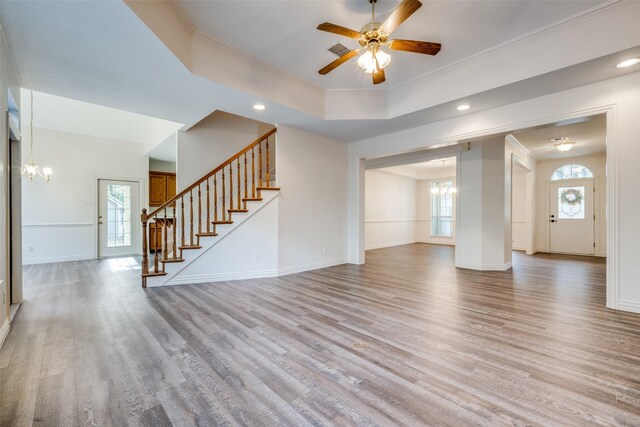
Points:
x=484, y=207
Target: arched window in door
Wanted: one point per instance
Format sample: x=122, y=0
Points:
x=571, y=172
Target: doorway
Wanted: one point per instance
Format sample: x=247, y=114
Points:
x=118, y=205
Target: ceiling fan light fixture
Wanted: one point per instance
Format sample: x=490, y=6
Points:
x=367, y=61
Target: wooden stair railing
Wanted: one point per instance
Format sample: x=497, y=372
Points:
x=182, y=231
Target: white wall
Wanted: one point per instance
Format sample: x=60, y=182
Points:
x=619, y=98
x=519, y=209
x=390, y=210
x=597, y=165
x=249, y=251
x=312, y=222
x=162, y=166
x=59, y=217
x=211, y=142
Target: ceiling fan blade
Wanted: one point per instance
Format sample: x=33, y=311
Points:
x=399, y=15
x=427, y=48
x=344, y=58
x=337, y=29
x=378, y=76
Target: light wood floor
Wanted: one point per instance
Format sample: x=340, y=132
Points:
x=404, y=340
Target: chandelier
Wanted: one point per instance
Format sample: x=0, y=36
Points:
x=31, y=168
x=443, y=188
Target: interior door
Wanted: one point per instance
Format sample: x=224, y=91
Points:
x=571, y=217
x=118, y=225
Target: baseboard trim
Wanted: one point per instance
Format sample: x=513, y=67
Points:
x=259, y=274
x=390, y=244
x=221, y=277
x=4, y=331
x=57, y=259
x=311, y=266
x=485, y=267
x=627, y=305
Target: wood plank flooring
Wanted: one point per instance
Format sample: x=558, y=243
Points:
x=406, y=339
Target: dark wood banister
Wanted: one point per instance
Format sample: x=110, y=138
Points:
x=213, y=172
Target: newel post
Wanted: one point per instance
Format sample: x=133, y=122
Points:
x=145, y=257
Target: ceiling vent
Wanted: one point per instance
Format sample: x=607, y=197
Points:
x=339, y=49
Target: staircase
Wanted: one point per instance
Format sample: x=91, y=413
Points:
x=201, y=215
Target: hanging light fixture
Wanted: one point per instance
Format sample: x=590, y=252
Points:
x=443, y=189
x=31, y=168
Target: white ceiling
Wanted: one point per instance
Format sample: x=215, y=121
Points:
x=103, y=53
x=588, y=133
x=283, y=33
x=68, y=115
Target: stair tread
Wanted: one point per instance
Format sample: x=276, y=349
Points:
x=206, y=234
x=268, y=188
x=221, y=222
x=154, y=274
x=252, y=199
x=172, y=260
x=238, y=210
x=189, y=247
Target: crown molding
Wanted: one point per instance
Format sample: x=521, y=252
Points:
x=182, y=16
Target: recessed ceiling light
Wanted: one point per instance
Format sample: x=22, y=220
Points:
x=628, y=63
x=463, y=107
x=259, y=107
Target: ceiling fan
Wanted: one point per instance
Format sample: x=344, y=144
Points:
x=373, y=36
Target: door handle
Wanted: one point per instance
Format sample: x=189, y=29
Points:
x=100, y=220
x=553, y=220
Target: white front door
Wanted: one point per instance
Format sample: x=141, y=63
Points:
x=571, y=217
x=118, y=224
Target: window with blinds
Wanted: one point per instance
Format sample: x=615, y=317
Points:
x=442, y=208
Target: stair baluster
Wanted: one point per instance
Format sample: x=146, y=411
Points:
x=165, y=227
x=239, y=183
x=182, y=221
x=259, y=164
x=268, y=173
x=224, y=210
x=230, y=188
x=199, y=211
x=253, y=174
x=155, y=244
x=215, y=199
x=208, y=204
x=174, y=243
x=191, y=218
x=246, y=194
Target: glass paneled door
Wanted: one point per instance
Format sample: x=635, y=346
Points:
x=118, y=214
x=571, y=220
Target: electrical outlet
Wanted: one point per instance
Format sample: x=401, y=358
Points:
x=257, y=257
x=31, y=249
x=324, y=250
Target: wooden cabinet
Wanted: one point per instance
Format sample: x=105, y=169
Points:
x=162, y=187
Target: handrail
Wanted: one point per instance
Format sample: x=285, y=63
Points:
x=213, y=172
